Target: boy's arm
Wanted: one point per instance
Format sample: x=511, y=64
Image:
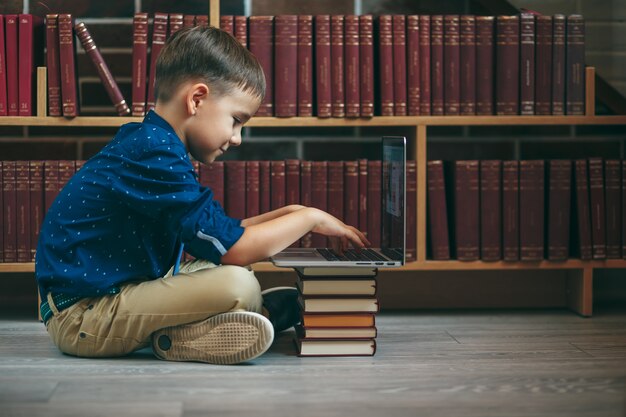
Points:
x=250, y=221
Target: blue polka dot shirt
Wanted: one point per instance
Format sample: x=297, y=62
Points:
x=125, y=214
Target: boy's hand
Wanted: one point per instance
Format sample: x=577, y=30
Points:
x=340, y=234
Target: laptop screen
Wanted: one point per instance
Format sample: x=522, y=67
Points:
x=393, y=233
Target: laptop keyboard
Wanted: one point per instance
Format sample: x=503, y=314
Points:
x=363, y=255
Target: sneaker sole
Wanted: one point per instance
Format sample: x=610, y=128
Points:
x=223, y=339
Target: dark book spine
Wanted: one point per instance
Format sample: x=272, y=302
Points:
x=613, y=173
x=51, y=182
x=583, y=214
x=262, y=46
x=558, y=65
x=22, y=212
x=575, y=66
x=411, y=211
x=559, y=198
x=292, y=181
x=468, y=65
x=36, y=204
x=467, y=210
x=319, y=197
x=67, y=169
x=437, y=212
x=189, y=21
x=27, y=31
x=399, y=64
x=266, y=180
x=543, y=66
x=527, y=64
x=159, y=33
x=305, y=196
x=374, y=204
x=363, y=196
x=12, y=48
x=413, y=64
x=200, y=20
x=337, y=67
x=335, y=189
x=322, y=66
x=531, y=195
x=451, y=69
x=235, y=188
x=67, y=66
x=436, y=65
x=241, y=28
x=385, y=62
x=424, y=42
x=366, y=65
x=507, y=65
x=103, y=70
x=3, y=77
x=623, y=202
x=227, y=24
x=351, y=193
x=176, y=23
x=286, y=68
x=352, y=76
x=52, y=64
x=510, y=210
x=252, y=189
x=10, y=216
x=140, y=58
x=484, y=65
x=490, y=210
x=278, y=184
x=305, y=65
x=597, y=208
x=212, y=176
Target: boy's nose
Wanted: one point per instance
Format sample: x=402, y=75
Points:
x=235, y=140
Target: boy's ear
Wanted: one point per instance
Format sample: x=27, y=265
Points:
x=197, y=94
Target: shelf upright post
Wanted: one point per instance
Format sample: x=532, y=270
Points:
x=42, y=92
x=579, y=290
x=214, y=13
x=421, y=159
x=590, y=91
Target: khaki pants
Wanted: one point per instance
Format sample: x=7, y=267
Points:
x=115, y=325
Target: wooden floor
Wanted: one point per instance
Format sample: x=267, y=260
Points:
x=520, y=363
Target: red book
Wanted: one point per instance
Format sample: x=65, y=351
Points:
x=413, y=67
x=510, y=210
x=159, y=33
x=3, y=74
x=189, y=21
x=527, y=64
x=466, y=210
x=507, y=65
x=335, y=189
x=103, y=70
x=176, y=23
x=613, y=173
x=262, y=46
x=51, y=182
x=212, y=177
x=437, y=212
x=52, y=64
x=241, y=29
x=425, y=94
x=337, y=66
x=322, y=66
x=484, y=65
x=468, y=65
x=363, y=178
x=490, y=210
x=30, y=29
x=366, y=58
x=200, y=20
x=292, y=181
x=436, y=65
x=385, y=62
x=227, y=24
x=351, y=194
x=451, y=69
x=559, y=199
x=66, y=171
x=140, y=58
x=235, y=188
x=374, y=202
x=12, y=47
x=319, y=197
x=252, y=189
x=583, y=215
x=265, y=187
x=575, y=66
x=22, y=211
x=278, y=185
x=305, y=65
x=531, y=208
x=286, y=68
x=353, y=83
x=10, y=208
x=558, y=64
x=411, y=211
x=36, y=204
x=67, y=66
x=597, y=208
x=305, y=196
x=543, y=66
x=399, y=64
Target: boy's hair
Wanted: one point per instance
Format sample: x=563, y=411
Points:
x=210, y=55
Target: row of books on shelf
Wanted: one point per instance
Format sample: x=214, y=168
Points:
x=349, y=190
x=528, y=210
x=338, y=308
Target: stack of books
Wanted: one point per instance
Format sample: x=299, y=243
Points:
x=338, y=311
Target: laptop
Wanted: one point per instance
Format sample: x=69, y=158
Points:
x=393, y=223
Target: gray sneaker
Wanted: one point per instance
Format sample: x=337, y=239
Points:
x=223, y=339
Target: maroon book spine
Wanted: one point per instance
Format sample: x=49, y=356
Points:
x=437, y=212
x=176, y=23
x=212, y=177
x=451, y=69
x=363, y=196
x=399, y=64
x=543, y=66
x=484, y=65
x=159, y=33
x=262, y=46
x=28, y=29
x=352, y=76
x=366, y=65
x=278, y=184
x=51, y=182
x=201, y=20
x=374, y=202
x=510, y=210
x=52, y=64
x=337, y=67
x=413, y=64
x=12, y=47
x=425, y=92
x=466, y=210
x=507, y=65
x=597, y=208
x=335, y=189
x=531, y=196
x=490, y=210
x=385, y=62
x=322, y=66
x=103, y=70
x=36, y=204
x=10, y=216
x=468, y=65
x=189, y=21
x=436, y=65
x=559, y=199
x=286, y=66
x=583, y=215
x=575, y=66
x=558, y=65
x=252, y=188
x=22, y=211
x=227, y=24
x=305, y=65
x=67, y=66
x=140, y=57
x=67, y=169
x=527, y=64
x=292, y=181
x=265, y=176
x=3, y=76
x=241, y=29
x=351, y=194
x=613, y=173
x=319, y=197
x=411, y=211
x=305, y=196
x=235, y=188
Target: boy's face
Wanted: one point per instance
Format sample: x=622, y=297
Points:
x=217, y=124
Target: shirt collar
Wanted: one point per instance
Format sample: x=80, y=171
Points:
x=154, y=119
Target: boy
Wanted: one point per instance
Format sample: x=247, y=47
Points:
x=106, y=249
